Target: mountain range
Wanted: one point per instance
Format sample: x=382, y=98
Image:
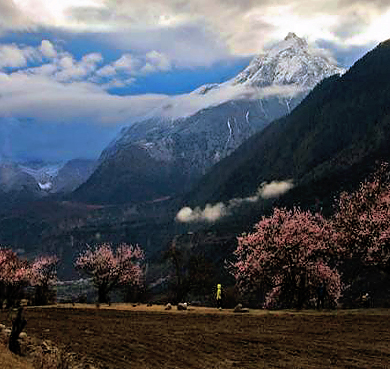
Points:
x=163, y=157
x=31, y=180
x=328, y=143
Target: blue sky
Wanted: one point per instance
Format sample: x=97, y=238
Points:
x=73, y=72
x=172, y=81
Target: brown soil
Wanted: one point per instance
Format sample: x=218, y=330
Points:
x=137, y=338
x=9, y=360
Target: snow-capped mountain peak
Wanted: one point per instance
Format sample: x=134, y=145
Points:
x=164, y=155
x=293, y=36
x=289, y=62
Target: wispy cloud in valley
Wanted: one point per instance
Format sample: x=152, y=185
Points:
x=212, y=213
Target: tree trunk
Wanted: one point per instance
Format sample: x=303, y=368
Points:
x=102, y=294
x=17, y=326
x=301, y=292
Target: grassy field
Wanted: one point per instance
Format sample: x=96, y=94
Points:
x=123, y=336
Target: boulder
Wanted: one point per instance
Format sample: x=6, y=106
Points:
x=181, y=306
x=240, y=309
x=168, y=306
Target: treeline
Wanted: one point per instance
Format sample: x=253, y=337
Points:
x=292, y=258
x=294, y=254
x=34, y=281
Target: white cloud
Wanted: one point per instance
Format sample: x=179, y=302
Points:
x=106, y=71
x=64, y=88
x=199, y=32
x=92, y=58
x=188, y=104
x=45, y=70
x=115, y=83
x=212, y=213
x=69, y=89
x=70, y=69
x=148, y=68
x=47, y=49
x=152, y=62
x=127, y=62
x=13, y=56
x=275, y=189
x=66, y=62
x=158, y=60
x=45, y=99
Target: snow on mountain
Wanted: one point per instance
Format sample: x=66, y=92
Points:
x=289, y=68
x=49, y=177
x=291, y=61
x=45, y=186
x=198, y=129
x=271, y=86
x=43, y=173
x=14, y=179
x=204, y=89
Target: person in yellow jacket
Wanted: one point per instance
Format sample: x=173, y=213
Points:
x=219, y=296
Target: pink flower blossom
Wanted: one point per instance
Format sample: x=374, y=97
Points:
x=362, y=221
x=289, y=255
x=43, y=271
x=111, y=269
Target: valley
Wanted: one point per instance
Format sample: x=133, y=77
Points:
x=219, y=155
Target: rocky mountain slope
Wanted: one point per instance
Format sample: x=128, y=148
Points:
x=164, y=156
x=329, y=143
x=72, y=175
x=32, y=180
x=15, y=184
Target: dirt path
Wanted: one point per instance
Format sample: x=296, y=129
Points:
x=156, y=339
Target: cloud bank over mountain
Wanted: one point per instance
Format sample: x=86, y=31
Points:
x=50, y=73
x=182, y=29
x=45, y=84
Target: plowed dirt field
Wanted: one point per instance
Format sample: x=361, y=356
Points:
x=138, y=338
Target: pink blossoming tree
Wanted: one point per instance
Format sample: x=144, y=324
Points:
x=43, y=275
x=110, y=269
x=14, y=275
x=362, y=221
x=288, y=255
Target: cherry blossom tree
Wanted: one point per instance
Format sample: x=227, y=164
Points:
x=14, y=275
x=362, y=221
x=110, y=269
x=288, y=255
x=43, y=275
